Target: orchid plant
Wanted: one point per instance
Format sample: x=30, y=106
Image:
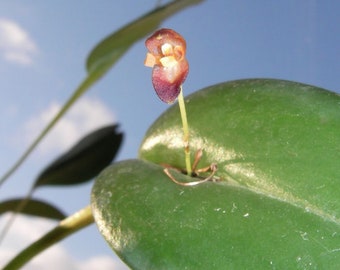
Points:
x=269, y=138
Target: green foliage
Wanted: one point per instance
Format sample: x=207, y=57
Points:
x=276, y=137
x=276, y=204
x=81, y=163
x=70, y=225
x=32, y=207
x=85, y=160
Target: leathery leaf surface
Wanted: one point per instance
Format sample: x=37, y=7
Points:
x=276, y=206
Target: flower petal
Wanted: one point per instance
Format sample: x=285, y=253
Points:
x=168, y=80
x=150, y=60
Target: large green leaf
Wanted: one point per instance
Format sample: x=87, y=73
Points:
x=275, y=137
x=277, y=147
x=84, y=160
x=32, y=207
x=153, y=223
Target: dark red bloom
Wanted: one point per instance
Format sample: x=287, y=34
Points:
x=167, y=58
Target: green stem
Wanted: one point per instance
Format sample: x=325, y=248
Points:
x=66, y=227
x=17, y=210
x=185, y=131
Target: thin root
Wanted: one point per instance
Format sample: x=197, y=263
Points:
x=212, y=168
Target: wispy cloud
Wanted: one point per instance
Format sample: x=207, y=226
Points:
x=85, y=116
x=15, y=43
x=25, y=230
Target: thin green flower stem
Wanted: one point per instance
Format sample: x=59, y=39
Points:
x=69, y=225
x=185, y=131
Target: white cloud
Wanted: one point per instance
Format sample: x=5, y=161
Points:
x=85, y=116
x=25, y=230
x=15, y=43
x=101, y=262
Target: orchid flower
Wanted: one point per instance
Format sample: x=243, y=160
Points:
x=166, y=56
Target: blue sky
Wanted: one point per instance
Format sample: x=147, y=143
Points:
x=43, y=47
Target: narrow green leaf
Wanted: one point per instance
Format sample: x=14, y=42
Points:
x=84, y=160
x=32, y=207
x=66, y=227
x=107, y=52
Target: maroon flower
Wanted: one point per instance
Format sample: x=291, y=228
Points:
x=167, y=58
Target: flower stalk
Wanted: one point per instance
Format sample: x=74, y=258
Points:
x=166, y=57
x=182, y=109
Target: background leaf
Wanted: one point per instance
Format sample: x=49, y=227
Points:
x=32, y=207
x=85, y=160
x=111, y=48
x=277, y=205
